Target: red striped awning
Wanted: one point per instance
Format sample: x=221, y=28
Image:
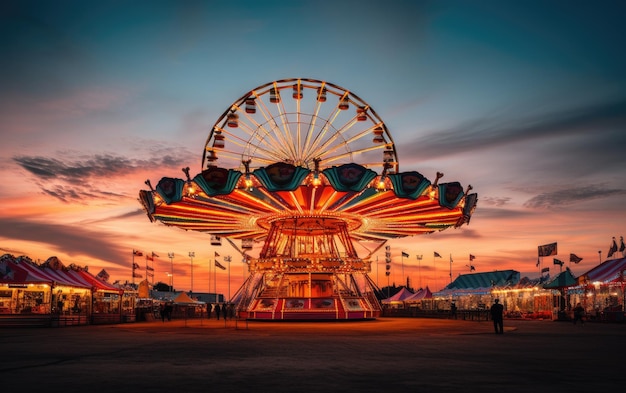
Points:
x=608, y=271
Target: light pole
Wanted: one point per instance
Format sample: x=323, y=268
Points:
x=170, y=280
x=228, y=259
x=171, y=257
x=191, y=255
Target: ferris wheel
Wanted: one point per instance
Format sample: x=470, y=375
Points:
x=303, y=122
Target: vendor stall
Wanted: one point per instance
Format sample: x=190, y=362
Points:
x=33, y=295
x=601, y=291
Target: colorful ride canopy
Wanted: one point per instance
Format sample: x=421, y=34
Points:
x=305, y=148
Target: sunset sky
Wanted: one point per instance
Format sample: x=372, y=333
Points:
x=525, y=101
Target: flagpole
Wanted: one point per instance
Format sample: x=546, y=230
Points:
x=434, y=272
x=419, y=269
x=228, y=259
x=450, y=268
x=191, y=255
x=402, y=269
x=215, y=282
x=132, y=268
x=171, y=257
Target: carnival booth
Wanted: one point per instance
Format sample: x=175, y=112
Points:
x=473, y=294
x=601, y=291
x=107, y=299
x=474, y=291
x=186, y=307
x=561, y=301
x=397, y=300
x=422, y=299
x=31, y=294
x=24, y=293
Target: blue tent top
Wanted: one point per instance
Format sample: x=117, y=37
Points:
x=498, y=278
x=563, y=279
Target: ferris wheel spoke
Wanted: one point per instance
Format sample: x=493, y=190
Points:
x=299, y=121
x=269, y=146
x=245, y=145
x=311, y=130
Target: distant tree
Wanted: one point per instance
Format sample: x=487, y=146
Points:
x=161, y=287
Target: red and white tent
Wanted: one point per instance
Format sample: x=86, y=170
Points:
x=612, y=270
x=420, y=295
x=400, y=296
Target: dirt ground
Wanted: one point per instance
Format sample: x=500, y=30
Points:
x=383, y=355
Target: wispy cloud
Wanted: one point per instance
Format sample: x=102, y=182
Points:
x=604, y=122
x=89, y=176
x=494, y=201
x=65, y=238
x=569, y=196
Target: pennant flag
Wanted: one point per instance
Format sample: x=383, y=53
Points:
x=136, y=265
x=472, y=257
x=216, y=254
x=137, y=253
x=537, y=262
x=613, y=249
x=574, y=258
x=149, y=268
x=436, y=254
x=622, y=246
x=558, y=262
x=547, y=250
x=405, y=254
x=154, y=255
x=220, y=265
x=545, y=269
x=137, y=275
x=472, y=268
x=149, y=257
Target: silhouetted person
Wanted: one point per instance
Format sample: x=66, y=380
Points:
x=209, y=310
x=162, y=311
x=168, y=311
x=217, y=311
x=579, y=312
x=496, y=315
x=224, y=311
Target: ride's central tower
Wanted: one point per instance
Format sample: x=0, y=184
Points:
x=306, y=170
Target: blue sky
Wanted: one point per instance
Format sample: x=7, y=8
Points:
x=525, y=101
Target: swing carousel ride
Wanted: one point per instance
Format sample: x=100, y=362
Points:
x=308, y=172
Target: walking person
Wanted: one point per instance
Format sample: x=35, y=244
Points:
x=169, y=307
x=579, y=312
x=162, y=311
x=496, y=315
x=217, y=311
x=209, y=309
